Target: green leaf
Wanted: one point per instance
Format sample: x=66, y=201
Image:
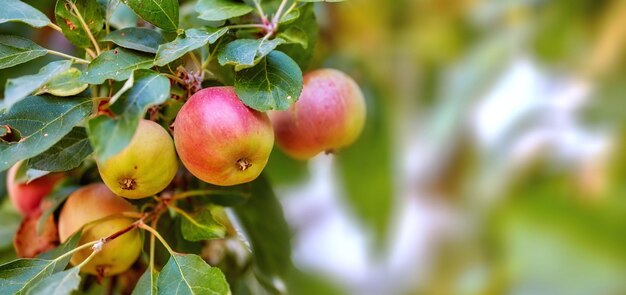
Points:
x=60, y=283
x=116, y=64
x=67, y=83
x=189, y=274
x=66, y=154
x=18, y=11
x=109, y=136
x=58, y=252
x=193, y=39
x=161, y=13
x=10, y=218
x=42, y=122
x=18, y=88
x=245, y=53
x=213, y=10
x=147, y=284
x=322, y=0
x=201, y=226
x=19, y=275
x=291, y=16
x=308, y=23
x=123, y=17
x=265, y=227
x=73, y=29
x=273, y=84
x=141, y=39
x=295, y=35
x=15, y=50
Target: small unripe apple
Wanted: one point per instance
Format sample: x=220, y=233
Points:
x=26, y=197
x=220, y=140
x=328, y=116
x=145, y=167
x=89, y=206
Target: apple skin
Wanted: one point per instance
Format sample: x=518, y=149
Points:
x=145, y=167
x=328, y=116
x=90, y=204
x=26, y=197
x=220, y=140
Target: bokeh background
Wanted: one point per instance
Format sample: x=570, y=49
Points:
x=493, y=160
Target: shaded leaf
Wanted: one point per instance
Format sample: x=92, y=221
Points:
x=147, y=284
x=265, y=227
x=273, y=84
x=189, y=274
x=142, y=39
x=308, y=23
x=161, y=13
x=18, y=88
x=18, y=11
x=213, y=10
x=15, y=50
x=116, y=64
x=245, y=53
x=42, y=121
x=109, y=136
x=67, y=83
x=66, y=154
x=295, y=35
x=201, y=226
x=72, y=28
x=193, y=39
x=60, y=283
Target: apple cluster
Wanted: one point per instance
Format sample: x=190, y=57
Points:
x=218, y=139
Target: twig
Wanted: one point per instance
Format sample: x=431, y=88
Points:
x=73, y=58
x=85, y=27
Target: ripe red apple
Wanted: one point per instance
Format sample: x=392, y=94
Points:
x=89, y=206
x=329, y=115
x=145, y=167
x=26, y=197
x=220, y=140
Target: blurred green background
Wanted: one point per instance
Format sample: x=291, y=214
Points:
x=494, y=156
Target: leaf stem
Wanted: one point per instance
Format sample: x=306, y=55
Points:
x=93, y=253
x=260, y=10
x=85, y=27
x=156, y=233
x=81, y=247
x=73, y=58
x=279, y=11
x=55, y=27
x=295, y=3
x=244, y=26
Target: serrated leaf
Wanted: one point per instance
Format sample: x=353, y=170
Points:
x=60, y=283
x=214, y=10
x=66, y=154
x=109, y=136
x=116, y=64
x=265, y=227
x=18, y=88
x=295, y=35
x=15, y=50
x=201, y=226
x=67, y=83
x=245, y=53
x=19, y=275
x=141, y=39
x=193, y=39
x=66, y=18
x=42, y=121
x=274, y=83
x=18, y=11
x=147, y=284
x=189, y=274
x=161, y=13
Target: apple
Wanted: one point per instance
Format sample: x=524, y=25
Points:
x=26, y=197
x=145, y=167
x=96, y=209
x=28, y=242
x=328, y=116
x=220, y=140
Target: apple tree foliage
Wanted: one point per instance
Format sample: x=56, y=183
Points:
x=142, y=59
